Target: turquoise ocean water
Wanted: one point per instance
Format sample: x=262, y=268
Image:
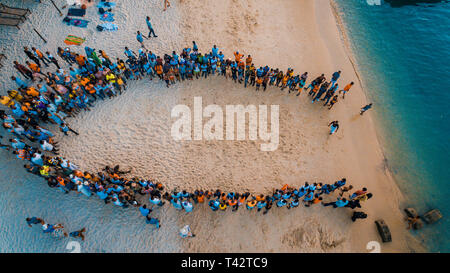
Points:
x=403, y=53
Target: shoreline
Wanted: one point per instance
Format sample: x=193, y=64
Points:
x=416, y=245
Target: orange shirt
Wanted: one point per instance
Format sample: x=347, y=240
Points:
x=39, y=53
x=84, y=81
x=159, y=69
x=238, y=56
x=34, y=67
x=90, y=88
x=81, y=60
x=31, y=91
x=201, y=198
x=347, y=87
x=248, y=61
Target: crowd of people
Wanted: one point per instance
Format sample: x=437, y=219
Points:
x=51, y=97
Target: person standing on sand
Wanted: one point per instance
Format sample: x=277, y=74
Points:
x=140, y=39
x=150, y=27
x=333, y=101
x=365, y=108
x=335, y=77
x=52, y=59
x=23, y=70
x=330, y=94
x=166, y=4
x=31, y=56
x=38, y=54
x=323, y=89
x=186, y=232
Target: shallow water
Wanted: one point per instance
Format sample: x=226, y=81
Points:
x=403, y=56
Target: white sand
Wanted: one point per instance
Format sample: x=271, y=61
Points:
x=134, y=130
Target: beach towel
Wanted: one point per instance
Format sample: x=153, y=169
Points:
x=107, y=16
x=74, y=40
x=88, y=51
x=76, y=12
x=107, y=26
x=106, y=5
x=75, y=22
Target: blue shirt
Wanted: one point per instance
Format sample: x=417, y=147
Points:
x=144, y=212
x=215, y=51
x=336, y=75
x=33, y=220
x=339, y=203
x=139, y=38
x=102, y=195
x=20, y=83
x=148, y=24
x=129, y=53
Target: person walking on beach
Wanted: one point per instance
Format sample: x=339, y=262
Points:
x=334, y=126
x=346, y=89
x=166, y=4
x=150, y=27
x=365, y=108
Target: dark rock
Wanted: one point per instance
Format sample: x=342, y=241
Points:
x=432, y=216
x=384, y=231
x=411, y=212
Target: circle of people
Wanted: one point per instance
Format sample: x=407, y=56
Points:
x=94, y=76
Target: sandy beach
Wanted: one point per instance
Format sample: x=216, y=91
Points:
x=133, y=130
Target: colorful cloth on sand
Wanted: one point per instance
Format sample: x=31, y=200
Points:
x=75, y=22
x=76, y=12
x=74, y=40
x=107, y=16
x=106, y=5
x=107, y=26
